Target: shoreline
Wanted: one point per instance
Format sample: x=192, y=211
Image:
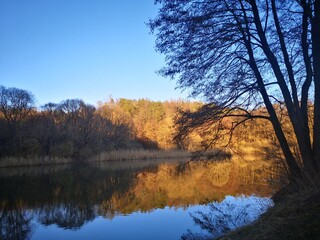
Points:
x=294, y=216
x=119, y=155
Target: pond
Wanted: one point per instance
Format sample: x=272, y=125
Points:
x=145, y=199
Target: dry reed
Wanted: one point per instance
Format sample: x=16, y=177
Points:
x=119, y=155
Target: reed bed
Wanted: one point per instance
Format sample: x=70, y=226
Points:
x=140, y=155
x=33, y=161
x=119, y=155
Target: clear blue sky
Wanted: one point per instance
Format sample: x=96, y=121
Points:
x=87, y=49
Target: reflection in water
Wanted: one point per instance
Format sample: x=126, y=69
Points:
x=15, y=222
x=67, y=216
x=72, y=196
x=231, y=213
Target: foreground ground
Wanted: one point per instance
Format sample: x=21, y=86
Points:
x=294, y=216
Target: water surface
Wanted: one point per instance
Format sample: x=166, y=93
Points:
x=120, y=200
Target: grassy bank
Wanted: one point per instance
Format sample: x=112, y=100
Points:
x=295, y=216
x=120, y=155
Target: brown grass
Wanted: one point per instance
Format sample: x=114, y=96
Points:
x=139, y=155
x=154, y=154
x=120, y=155
x=33, y=161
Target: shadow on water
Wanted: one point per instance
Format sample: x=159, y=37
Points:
x=69, y=196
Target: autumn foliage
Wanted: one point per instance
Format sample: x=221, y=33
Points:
x=75, y=129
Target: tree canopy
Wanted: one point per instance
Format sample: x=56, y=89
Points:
x=242, y=55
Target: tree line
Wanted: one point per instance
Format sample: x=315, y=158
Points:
x=70, y=128
x=73, y=128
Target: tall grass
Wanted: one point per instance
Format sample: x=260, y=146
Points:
x=119, y=155
x=156, y=154
x=140, y=155
x=33, y=161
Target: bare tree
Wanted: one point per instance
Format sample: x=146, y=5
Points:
x=15, y=106
x=241, y=55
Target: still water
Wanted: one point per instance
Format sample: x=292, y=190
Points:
x=127, y=200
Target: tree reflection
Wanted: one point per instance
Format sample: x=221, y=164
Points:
x=67, y=216
x=227, y=215
x=15, y=223
x=67, y=198
x=73, y=196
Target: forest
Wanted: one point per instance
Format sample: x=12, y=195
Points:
x=74, y=129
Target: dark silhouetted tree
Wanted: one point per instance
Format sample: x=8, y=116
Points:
x=15, y=106
x=241, y=55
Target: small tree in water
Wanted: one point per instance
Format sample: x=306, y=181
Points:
x=242, y=55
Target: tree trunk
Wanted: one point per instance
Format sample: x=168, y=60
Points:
x=294, y=114
x=316, y=71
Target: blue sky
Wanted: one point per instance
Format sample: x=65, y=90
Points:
x=87, y=49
